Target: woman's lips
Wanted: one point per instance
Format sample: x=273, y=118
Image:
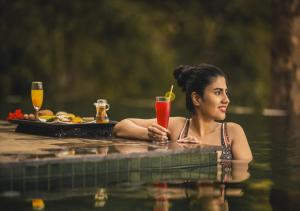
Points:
x=223, y=108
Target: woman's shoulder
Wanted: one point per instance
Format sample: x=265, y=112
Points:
x=233, y=126
x=234, y=129
x=178, y=119
x=175, y=126
x=240, y=147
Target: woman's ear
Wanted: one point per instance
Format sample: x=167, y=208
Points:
x=196, y=99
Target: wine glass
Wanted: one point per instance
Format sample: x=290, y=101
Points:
x=37, y=94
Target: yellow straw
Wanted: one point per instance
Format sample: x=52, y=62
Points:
x=171, y=90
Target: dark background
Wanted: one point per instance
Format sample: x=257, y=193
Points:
x=126, y=50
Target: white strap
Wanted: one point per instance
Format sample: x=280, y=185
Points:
x=183, y=129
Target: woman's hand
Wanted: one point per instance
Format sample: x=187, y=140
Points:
x=158, y=133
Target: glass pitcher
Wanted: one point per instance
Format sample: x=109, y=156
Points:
x=101, y=111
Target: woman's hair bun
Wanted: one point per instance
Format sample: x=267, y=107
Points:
x=181, y=74
x=194, y=78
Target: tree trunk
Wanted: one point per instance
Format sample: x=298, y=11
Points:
x=285, y=92
x=295, y=57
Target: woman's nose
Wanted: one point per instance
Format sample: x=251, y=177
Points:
x=225, y=99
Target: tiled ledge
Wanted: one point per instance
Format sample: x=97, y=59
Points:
x=24, y=149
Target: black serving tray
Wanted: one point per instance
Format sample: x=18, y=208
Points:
x=57, y=129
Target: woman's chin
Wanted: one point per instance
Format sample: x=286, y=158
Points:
x=221, y=117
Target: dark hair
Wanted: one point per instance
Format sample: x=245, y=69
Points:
x=195, y=78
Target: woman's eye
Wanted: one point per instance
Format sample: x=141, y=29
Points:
x=217, y=92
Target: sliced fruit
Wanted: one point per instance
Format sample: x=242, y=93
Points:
x=70, y=115
x=88, y=119
x=59, y=113
x=63, y=118
x=170, y=95
x=77, y=120
x=47, y=118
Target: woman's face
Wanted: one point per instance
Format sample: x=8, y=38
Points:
x=215, y=100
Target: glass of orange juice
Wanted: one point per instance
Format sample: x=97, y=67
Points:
x=37, y=94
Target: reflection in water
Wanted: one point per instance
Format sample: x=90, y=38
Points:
x=161, y=196
x=199, y=196
x=293, y=126
x=38, y=204
x=200, y=188
x=285, y=193
x=195, y=194
x=65, y=153
x=100, y=197
x=100, y=150
x=209, y=197
x=131, y=148
x=233, y=171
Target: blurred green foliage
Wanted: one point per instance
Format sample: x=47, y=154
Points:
x=126, y=50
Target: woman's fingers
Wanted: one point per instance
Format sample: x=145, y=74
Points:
x=157, y=127
x=157, y=130
x=154, y=135
x=158, y=137
x=158, y=133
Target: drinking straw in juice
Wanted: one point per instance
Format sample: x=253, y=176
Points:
x=163, y=108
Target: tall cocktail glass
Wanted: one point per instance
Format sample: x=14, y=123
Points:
x=37, y=94
x=163, y=109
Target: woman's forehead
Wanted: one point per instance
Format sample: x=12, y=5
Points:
x=218, y=82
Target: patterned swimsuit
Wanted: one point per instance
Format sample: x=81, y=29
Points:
x=225, y=143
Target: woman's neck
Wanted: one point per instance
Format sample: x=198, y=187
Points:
x=202, y=126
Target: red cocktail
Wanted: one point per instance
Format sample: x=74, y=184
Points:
x=163, y=108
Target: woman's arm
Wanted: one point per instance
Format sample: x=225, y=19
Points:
x=239, y=170
x=146, y=129
x=240, y=147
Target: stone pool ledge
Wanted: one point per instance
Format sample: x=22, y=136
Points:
x=35, y=166
x=25, y=149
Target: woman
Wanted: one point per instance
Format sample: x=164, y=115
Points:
x=207, y=100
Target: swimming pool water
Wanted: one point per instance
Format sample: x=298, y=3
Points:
x=271, y=182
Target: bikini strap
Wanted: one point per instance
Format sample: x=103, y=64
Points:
x=224, y=135
x=184, y=130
